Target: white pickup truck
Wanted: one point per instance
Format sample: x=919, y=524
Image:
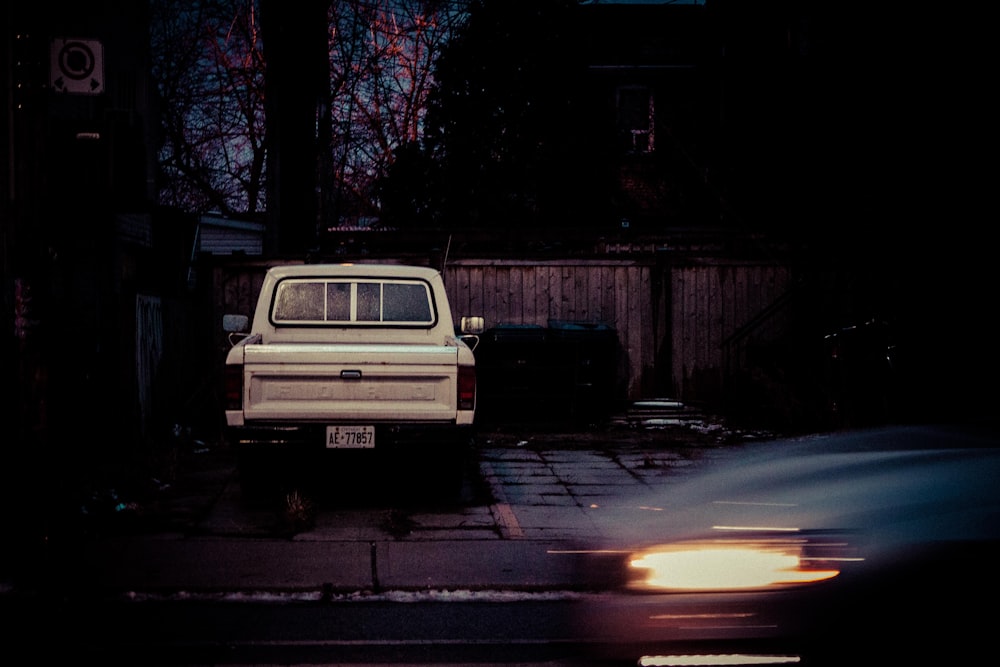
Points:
x=349, y=367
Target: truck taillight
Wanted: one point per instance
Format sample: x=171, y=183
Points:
x=466, y=387
x=234, y=387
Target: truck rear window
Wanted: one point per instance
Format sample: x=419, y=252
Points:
x=364, y=301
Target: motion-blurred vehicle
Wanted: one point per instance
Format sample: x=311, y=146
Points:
x=868, y=547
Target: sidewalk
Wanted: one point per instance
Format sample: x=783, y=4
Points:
x=173, y=566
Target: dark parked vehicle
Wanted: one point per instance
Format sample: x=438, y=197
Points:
x=866, y=547
x=562, y=372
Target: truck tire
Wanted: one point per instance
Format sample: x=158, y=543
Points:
x=257, y=484
x=443, y=474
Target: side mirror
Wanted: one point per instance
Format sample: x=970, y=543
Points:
x=235, y=323
x=473, y=325
x=236, y=327
x=470, y=328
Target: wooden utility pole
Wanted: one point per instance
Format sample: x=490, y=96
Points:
x=297, y=87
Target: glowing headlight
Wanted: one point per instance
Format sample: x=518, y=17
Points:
x=730, y=565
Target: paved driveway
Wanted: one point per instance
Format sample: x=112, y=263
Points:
x=525, y=483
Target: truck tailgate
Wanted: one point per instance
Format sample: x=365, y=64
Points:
x=345, y=383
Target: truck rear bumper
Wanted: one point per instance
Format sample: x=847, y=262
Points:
x=427, y=458
x=312, y=437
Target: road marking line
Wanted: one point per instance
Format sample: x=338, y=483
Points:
x=501, y=510
x=504, y=516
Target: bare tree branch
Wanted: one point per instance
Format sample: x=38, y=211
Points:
x=209, y=67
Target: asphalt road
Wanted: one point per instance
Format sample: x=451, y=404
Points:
x=518, y=632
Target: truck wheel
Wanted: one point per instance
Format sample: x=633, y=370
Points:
x=256, y=486
x=445, y=475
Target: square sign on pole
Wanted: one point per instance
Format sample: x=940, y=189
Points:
x=77, y=66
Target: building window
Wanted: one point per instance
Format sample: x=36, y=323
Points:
x=635, y=119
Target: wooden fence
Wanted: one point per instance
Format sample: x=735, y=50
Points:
x=676, y=318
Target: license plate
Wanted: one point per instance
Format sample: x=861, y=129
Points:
x=350, y=437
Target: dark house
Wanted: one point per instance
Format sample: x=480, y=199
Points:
x=649, y=82
x=94, y=273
